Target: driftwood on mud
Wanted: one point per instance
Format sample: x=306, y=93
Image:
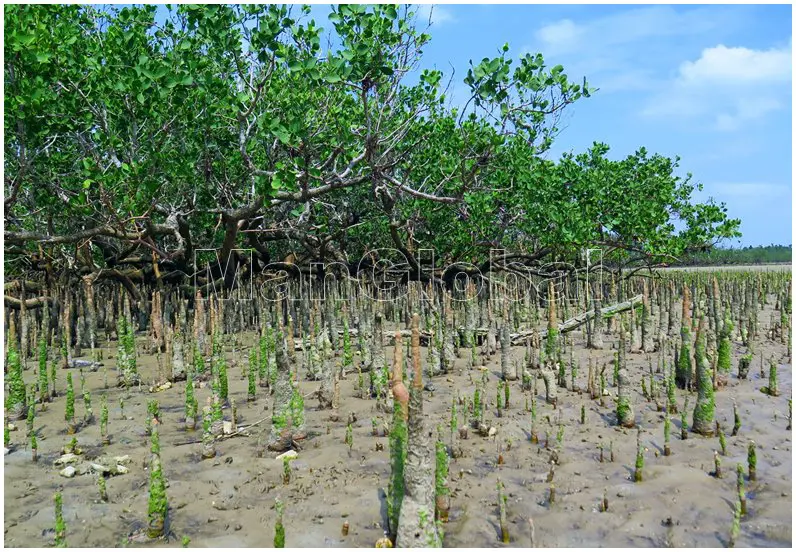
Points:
x=579, y=320
x=242, y=431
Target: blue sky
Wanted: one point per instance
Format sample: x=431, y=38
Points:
x=711, y=84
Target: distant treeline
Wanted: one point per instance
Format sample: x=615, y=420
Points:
x=746, y=255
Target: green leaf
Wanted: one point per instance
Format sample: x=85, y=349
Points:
x=282, y=134
x=25, y=39
x=160, y=72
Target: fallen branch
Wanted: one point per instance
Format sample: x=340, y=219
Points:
x=579, y=320
x=195, y=442
x=241, y=431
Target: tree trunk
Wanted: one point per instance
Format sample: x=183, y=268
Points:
x=281, y=430
x=507, y=368
x=416, y=526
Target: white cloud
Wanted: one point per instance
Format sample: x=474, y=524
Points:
x=739, y=64
x=435, y=14
x=621, y=50
x=649, y=52
x=726, y=87
x=565, y=36
x=559, y=34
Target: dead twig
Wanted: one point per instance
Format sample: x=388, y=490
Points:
x=241, y=431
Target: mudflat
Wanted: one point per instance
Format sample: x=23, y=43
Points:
x=229, y=500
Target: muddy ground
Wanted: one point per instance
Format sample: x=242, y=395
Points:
x=229, y=501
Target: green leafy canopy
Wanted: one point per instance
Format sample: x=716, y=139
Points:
x=141, y=131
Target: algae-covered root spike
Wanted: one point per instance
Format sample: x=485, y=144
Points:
x=34, y=447
x=751, y=458
x=106, y=440
x=741, y=489
x=735, y=530
x=736, y=426
x=208, y=440
x=773, y=387
x=60, y=525
x=279, y=529
x=722, y=439
x=704, y=410
x=349, y=437
x=624, y=410
x=442, y=493
x=504, y=527
x=638, y=473
x=103, y=490
x=70, y=405
x=717, y=473
x=158, y=505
